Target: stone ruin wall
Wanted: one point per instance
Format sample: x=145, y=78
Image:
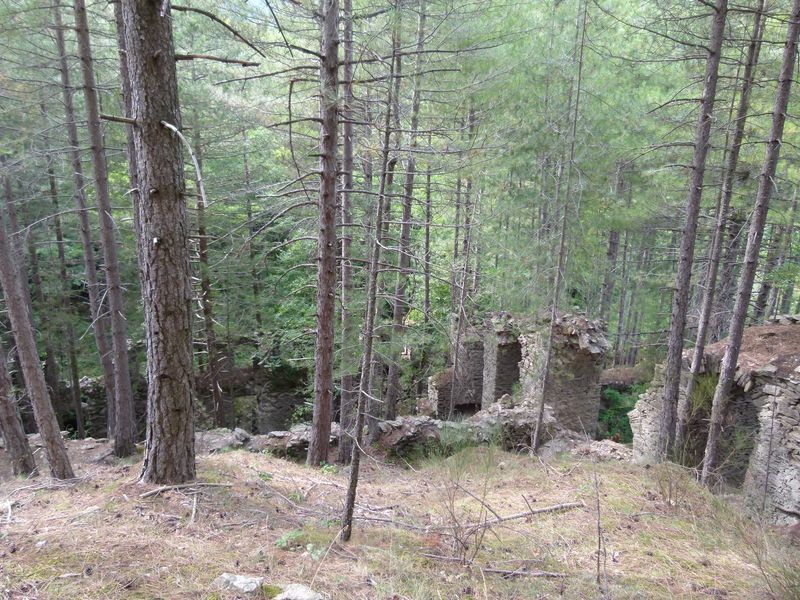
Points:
x=761, y=433
x=466, y=396
x=501, y=360
x=572, y=388
x=739, y=429
x=772, y=480
x=512, y=363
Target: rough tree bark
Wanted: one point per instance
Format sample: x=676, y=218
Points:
x=726, y=192
x=99, y=320
x=18, y=236
x=754, y=237
x=125, y=424
x=162, y=243
x=17, y=447
x=326, y=242
x=55, y=450
x=680, y=300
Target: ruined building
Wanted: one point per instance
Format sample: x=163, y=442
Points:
x=760, y=442
x=507, y=358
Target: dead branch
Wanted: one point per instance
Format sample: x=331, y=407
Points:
x=116, y=119
x=182, y=486
x=216, y=19
x=230, y=61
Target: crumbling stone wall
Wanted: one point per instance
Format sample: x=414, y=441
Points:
x=281, y=394
x=501, y=358
x=645, y=419
x=572, y=387
x=760, y=443
x=772, y=481
x=467, y=392
x=513, y=362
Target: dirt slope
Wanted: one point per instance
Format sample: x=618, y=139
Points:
x=662, y=536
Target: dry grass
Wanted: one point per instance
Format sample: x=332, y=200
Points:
x=99, y=539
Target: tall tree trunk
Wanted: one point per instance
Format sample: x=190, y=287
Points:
x=454, y=294
x=16, y=442
x=611, y=256
x=66, y=291
x=786, y=254
x=99, y=320
x=734, y=249
x=375, y=404
x=326, y=242
x=125, y=426
x=623, y=298
x=18, y=241
x=684, y=404
x=426, y=280
x=252, y=229
x=427, y=263
x=608, y=281
x=51, y=375
x=462, y=316
x=400, y=308
x=349, y=334
x=223, y=409
x=163, y=243
x=365, y=381
x=754, y=237
x=680, y=301
x=18, y=307
x=561, y=262
x=773, y=252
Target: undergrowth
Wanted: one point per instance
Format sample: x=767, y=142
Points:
x=614, y=419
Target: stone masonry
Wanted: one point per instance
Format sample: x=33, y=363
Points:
x=761, y=430
x=512, y=363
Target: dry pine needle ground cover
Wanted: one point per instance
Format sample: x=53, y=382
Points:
x=661, y=536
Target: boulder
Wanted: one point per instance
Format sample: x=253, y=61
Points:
x=292, y=443
x=215, y=440
x=562, y=442
x=296, y=591
x=406, y=433
x=511, y=425
x=603, y=450
x=244, y=584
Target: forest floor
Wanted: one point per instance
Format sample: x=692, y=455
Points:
x=662, y=535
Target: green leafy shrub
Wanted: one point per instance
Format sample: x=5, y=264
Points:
x=614, y=418
x=291, y=540
x=302, y=413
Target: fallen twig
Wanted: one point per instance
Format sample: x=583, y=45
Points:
x=194, y=509
x=520, y=572
x=523, y=573
x=538, y=511
x=182, y=486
